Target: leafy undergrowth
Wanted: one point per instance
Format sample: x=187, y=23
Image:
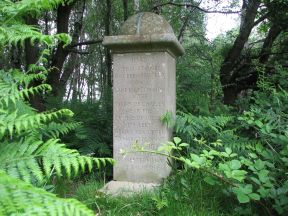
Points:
x=181, y=194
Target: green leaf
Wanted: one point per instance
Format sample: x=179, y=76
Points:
x=259, y=123
x=242, y=193
x=210, y=180
x=191, y=164
x=243, y=198
x=252, y=155
x=238, y=174
x=264, y=192
x=263, y=176
x=195, y=165
x=259, y=164
x=247, y=189
x=197, y=159
x=255, y=180
x=223, y=167
x=224, y=154
x=235, y=164
x=254, y=196
x=177, y=140
x=184, y=145
x=228, y=151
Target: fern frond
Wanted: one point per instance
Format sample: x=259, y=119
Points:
x=24, y=79
x=13, y=124
x=14, y=86
x=237, y=143
x=19, y=33
x=212, y=128
x=14, y=76
x=195, y=126
x=54, y=129
x=13, y=95
x=24, y=159
x=18, y=197
x=24, y=154
x=14, y=10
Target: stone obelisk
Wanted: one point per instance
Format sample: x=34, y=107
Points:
x=144, y=88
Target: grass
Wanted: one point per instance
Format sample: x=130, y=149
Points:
x=184, y=194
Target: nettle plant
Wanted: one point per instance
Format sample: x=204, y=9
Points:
x=253, y=169
x=31, y=153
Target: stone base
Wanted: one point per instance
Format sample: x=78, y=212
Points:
x=123, y=188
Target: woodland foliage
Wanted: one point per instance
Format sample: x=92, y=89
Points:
x=231, y=124
x=245, y=154
x=31, y=151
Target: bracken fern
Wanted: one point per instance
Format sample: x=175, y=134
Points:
x=20, y=198
x=30, y=151
x=193, y=126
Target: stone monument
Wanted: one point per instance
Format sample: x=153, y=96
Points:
x=144, y=88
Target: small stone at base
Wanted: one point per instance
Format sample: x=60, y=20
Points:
x=124, y=188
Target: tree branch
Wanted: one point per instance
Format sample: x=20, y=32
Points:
x=265, y=16
x=188, y=5
x=89, y=42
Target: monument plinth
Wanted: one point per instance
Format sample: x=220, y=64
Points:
x=144, y=88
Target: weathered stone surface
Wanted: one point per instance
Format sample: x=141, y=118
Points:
x=124, y=188
x=144, y=43
x=144, y=88
x=146, y=23
x=145, y=32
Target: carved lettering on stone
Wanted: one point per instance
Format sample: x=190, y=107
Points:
x=143, y=90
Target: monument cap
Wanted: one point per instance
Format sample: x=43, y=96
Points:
x=146, y=23
x=145, y=32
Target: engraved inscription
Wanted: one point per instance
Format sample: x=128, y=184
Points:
x=141, y=94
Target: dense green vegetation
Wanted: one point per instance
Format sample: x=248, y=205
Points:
x=230, y=146
x=175, y=197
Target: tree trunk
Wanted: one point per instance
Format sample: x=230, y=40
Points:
x=73, y=57
x=183, y=28
x=125, y=9
x=58, y=58
x=230, y=95
x=107, y=33
x=273, y=33
x=230, y=62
